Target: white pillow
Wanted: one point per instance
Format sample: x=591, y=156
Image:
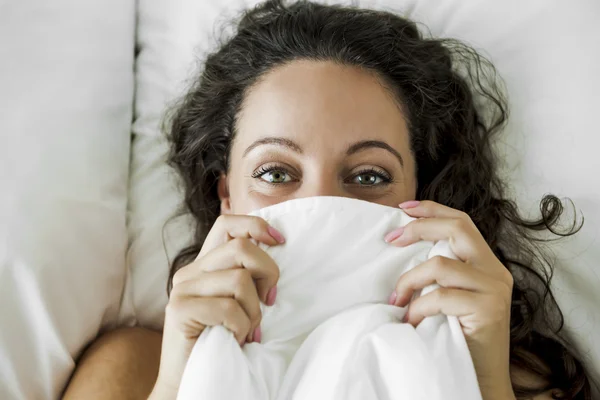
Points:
x=65, y=113
x=168, y=32
x=547, y=52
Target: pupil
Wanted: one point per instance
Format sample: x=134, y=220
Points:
x=367, y=179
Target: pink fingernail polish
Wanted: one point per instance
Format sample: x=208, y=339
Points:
x=257, y=335
x=409, y=204
x=392, y=299
x=271, y=296
x=393, y=235
x=276, y=235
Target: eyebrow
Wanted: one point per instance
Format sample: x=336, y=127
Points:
x=377, y=144
x=355, y=148
x=279, y=141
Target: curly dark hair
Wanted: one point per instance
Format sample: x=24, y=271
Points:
x=454, y=105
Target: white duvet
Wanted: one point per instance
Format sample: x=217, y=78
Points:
x=331, y=334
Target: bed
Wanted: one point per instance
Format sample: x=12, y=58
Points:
x=88, y=206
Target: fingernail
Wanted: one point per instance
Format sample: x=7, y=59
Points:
x=409, y=204
x=405, y=319
x=276, y=235
x=393, y=235
x=271, y=296
x=257, y=335
x=392, y=299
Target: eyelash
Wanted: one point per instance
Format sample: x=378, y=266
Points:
x=386, y=178
x=263, y=170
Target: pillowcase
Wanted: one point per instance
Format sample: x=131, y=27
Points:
x=65, y=115
x=167, y=34
x=545, y=51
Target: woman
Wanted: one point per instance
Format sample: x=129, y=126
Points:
x=309, y=100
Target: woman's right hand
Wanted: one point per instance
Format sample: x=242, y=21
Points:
x=223, y=286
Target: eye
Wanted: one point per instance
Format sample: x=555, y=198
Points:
x=272, y=175
x=371, y=177
x=367, y=179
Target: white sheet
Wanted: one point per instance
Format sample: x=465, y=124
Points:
x=331, y=334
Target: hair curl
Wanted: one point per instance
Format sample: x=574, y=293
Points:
x=453, y=104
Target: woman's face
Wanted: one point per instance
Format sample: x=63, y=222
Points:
x=318, y=129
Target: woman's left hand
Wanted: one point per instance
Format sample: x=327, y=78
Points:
x=476, y=288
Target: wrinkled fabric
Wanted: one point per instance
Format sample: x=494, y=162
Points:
x=331, y=333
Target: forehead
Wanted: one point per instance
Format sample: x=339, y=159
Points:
x=310, y=101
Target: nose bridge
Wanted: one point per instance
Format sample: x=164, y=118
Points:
x=324, y=190
x=322, y=182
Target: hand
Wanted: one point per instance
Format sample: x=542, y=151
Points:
x=477, y=289
x=223, y=286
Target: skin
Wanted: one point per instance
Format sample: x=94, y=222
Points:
x=321, y=129
x=322, y=125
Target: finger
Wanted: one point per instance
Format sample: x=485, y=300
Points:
x=240, y=226
x=245, y=254
x=193, y=314
x=464, y=238
x=428, y=209
x=234, y=283
x=445, y=272
x=445, y=301
x=237, y=253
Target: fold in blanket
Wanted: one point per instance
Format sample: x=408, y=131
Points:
x=331, y=334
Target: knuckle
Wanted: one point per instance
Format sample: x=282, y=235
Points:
x=175, y=291
x=409, y=228
x=176, y=280
x=173, y=308
x=275, y=272
x=259, y=223
x=426, y=204
x=221, y=220
x=256, y=317
x=229, y=308
x=239, y=325
x=244, y=326
x=464, y=216
x=169, y=308
x=241, y=277
x=440, y=294
x=240, y=245
x=440, y=263
x=460, y=224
